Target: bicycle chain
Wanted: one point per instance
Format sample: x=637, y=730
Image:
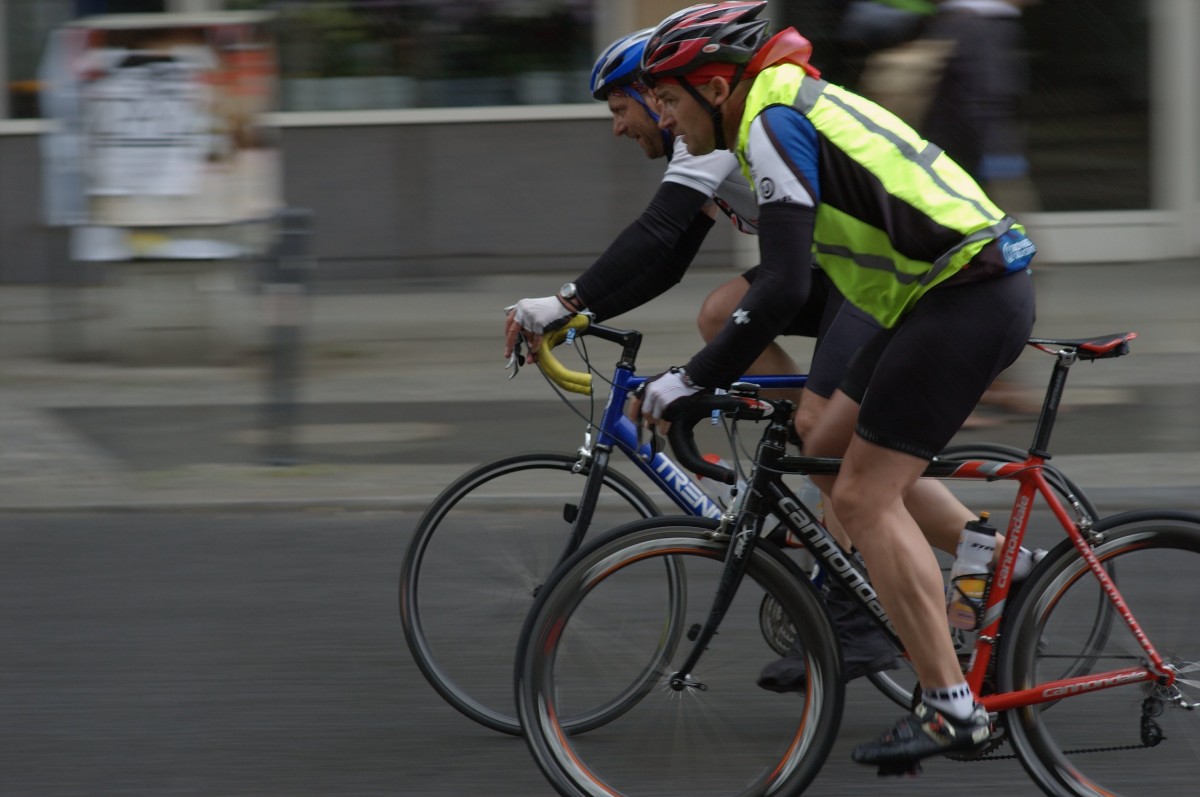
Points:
x=999, y=742
x=1079, y=751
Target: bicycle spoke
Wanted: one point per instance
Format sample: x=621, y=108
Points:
x=603, y=625
x=503, y=525
x=1149, y=740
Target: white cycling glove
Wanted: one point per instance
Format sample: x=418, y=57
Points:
x=540, y=315
x=660, y=392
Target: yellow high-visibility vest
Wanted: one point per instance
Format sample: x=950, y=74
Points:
x=896, y=216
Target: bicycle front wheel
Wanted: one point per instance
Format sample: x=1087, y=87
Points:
x=710, y=733
x=1141, y=739
x=475, y=563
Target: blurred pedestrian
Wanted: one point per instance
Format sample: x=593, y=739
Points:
x=865, y=27
x=974, y=112
x=974, y=117
x=960, y=83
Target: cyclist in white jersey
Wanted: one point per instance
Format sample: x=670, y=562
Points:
x=653, y=253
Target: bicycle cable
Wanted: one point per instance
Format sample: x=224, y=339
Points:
x=736, y=448
x=591, y=424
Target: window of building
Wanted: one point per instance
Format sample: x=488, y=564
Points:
x=431, y=53
x=1086, y=116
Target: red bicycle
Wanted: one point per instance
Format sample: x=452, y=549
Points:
x=651, y=637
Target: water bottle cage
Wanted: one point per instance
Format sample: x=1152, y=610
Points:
x=957, y=596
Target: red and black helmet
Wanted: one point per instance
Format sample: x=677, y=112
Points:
x=726, y=33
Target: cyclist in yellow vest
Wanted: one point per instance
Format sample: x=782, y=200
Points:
x=909, y=238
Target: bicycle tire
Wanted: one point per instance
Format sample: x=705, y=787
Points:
x=597, y=623
x=899, y=685
x=1071, y=746
x=474, y=564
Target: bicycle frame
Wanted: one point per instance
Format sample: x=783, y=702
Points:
x=617, y=431
x=769, y=496
x=1029, y=476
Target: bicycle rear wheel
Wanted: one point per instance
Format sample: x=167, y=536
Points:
x=1132, y=740
x=600, y=620
x=475, y=563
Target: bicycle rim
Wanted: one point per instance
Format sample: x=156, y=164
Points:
x=599, y=622
x=1105, y=742
x=475, y=562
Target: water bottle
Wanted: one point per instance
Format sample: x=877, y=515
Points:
x=970, y=574
x=720, y=492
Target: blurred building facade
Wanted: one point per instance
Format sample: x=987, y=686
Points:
x=443, y=137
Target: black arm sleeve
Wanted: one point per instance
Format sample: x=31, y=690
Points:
x=650, y=255
x=785, y=235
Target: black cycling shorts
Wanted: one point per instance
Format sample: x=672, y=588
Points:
x=850, y=330
x=819, y=317
x=917, y=382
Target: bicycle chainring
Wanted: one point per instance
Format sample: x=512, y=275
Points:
x=995, y=742
x=776, y=628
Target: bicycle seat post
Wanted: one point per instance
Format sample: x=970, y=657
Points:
x=1063, y=360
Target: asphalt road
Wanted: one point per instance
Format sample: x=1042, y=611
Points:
x=260, y=654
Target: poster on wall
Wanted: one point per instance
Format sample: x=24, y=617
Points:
x=158, y=135
x=146, y=125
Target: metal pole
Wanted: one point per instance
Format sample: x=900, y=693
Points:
x=289, y=272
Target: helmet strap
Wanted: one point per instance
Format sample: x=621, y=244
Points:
x=718, y=118
x=668, y=139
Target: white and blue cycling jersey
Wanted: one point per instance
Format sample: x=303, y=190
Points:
x=716, y=175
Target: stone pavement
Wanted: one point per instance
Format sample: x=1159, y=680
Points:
x=388, y=355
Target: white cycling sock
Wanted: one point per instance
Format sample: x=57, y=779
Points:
x=955, y=701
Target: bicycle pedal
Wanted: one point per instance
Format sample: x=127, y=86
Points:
x=899, y=769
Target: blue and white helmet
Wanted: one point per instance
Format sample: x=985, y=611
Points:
x=620, y=64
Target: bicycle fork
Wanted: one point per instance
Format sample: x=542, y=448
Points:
x=766, y=493
x=747, y=525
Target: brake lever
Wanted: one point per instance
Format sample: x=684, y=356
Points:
x=516, y=359
x=657, y=442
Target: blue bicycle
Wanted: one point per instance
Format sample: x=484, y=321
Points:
x=510, y=522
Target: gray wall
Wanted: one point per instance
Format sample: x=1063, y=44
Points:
x=414, y=199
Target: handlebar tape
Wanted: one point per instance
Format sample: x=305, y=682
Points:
x=684, y=415
x=559, y=374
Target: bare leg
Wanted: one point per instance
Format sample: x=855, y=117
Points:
x=810, y=409
x=868, y=497
x=829, y=441
x=940, y=515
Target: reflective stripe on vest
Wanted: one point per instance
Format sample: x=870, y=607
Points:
x=859, y=257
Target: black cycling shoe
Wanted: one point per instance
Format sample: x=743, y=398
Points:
x=922, y=734
x=865, y=648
